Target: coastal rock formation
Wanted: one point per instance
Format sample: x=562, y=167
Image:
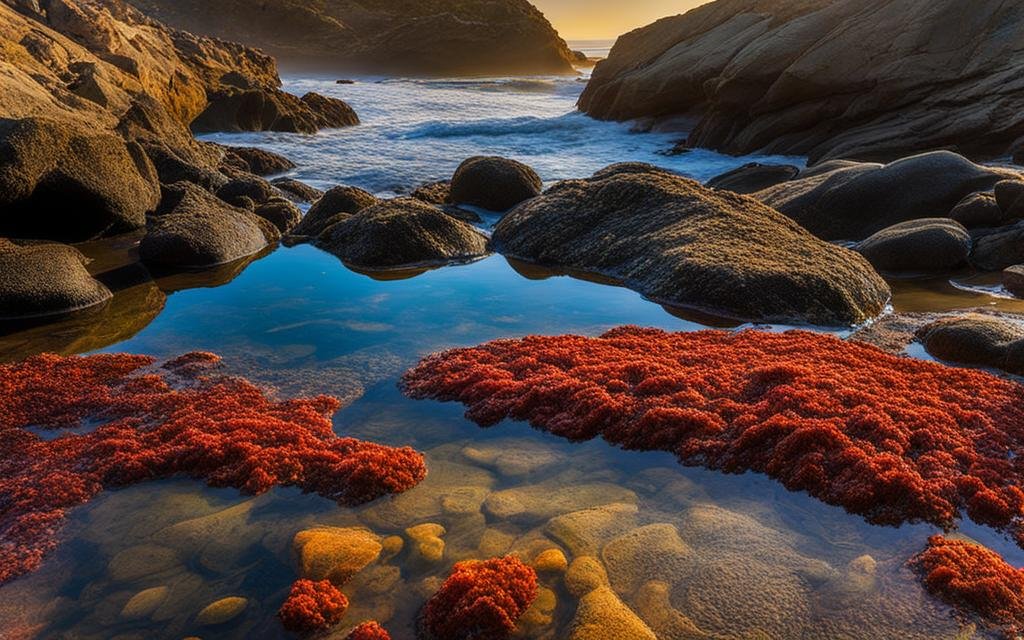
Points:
x=864, y=79
x=1013, y=280
x=975, y=339
x=232, y=109
x=682, y=244
x=403, y=232
x=753, y=177
x=850, y=201
x=979, y=210
x=422, y=37
x=338, y=204
x=930, y=244
x=45, y=280
x=203, y=231
x=495, y=184
x=259, y=162
x=902, y=454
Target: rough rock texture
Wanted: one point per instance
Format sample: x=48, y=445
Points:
x=865, y=79
x=976, y=339
x=999, y=248
x=64, y=181
x=979, y=210
x=929, y=244
x=279, y=212
x=1009, y=196
x=495, y=184
x=332, y=207
x=256, y=161
x=202, y=231
x=1013, y=280
x=850, y=201
x=402, y=233
x=297, y=191
x=233, y=110
x=44, y=280
x=418, y=37
x=683, y=244
x=754, y=177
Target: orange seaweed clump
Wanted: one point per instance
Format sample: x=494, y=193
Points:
x=974, y=580
x=312, y=606
x=480, y=600
x=369, y=631
x=891, y=438
x=142, y=423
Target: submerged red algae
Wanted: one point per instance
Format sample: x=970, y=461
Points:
x=312, y=606
x=369, y=631
x=974, y=580
x=149, y=423
x=890, y=438
x=480, y=600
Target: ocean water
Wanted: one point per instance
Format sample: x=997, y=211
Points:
x=759, y=561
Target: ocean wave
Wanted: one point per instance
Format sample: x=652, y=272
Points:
x=498, y=127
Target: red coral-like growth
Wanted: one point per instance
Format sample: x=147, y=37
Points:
x=893, y=439
x=144, y=423
x=974, y=580
x=369, y=631
x=480, y=600
x=312, y=606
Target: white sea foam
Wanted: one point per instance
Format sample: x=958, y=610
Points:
x=416, y=131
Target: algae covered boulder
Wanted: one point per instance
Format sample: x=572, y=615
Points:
x=45, y=280
x=339, y=201
x=63, y=182
x=975, y=339
x=403, y=232
x=495, y=184
x=682, y=244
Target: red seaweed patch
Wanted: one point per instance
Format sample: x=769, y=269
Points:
x=480, y=600
x=312, y=606
x=893, y=439
x=974, y=580
x=148, y=423
x=369, y=631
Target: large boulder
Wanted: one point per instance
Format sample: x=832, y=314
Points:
x=64, y=182
x=864, y=79
x=975, y=339
x=929, y=244
x=495, y=184
x=402, y=233
x=392, y=37
x=45, y=280
x=682, y=244
x=337, y=204
x=232, y=109
x=200, y=231
x=852, y=201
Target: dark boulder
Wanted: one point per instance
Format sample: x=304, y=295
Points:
x=234, y=110
x=203, y=231
x=929, y=244
x=495, y=184
x=754, y=177
x=979, y=210
x=338, y=200
x=854, y=201
x=682, y=244
x=247, y=186
x=59, y=181
x=330, y=113
x=402, y=233
x=280, y=212
x=45, y=280
x=297, y=191
x=978, y=340
x=1013, y=280
x=999, y=248
x=1010, y=198
x=259, y=162
x=438, y=193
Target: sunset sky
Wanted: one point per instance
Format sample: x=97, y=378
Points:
x=598, y=19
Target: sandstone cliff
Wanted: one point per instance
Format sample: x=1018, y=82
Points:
x=863, y=79
x=418, y=37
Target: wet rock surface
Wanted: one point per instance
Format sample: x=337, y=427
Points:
x=45, y=280
x=930, y=244
x=496, y=184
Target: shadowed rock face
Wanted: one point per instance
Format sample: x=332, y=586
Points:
x=683, y=244
x=45, y=280
x=865, y=79
x=421, y=37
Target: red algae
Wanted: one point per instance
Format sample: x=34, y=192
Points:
x=893, y=439
x=146, y=423
x=480, y=600
x=368, y=631
x=312, y=606
x=974, y=580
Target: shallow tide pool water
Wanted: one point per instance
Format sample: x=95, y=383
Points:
x=695, y=554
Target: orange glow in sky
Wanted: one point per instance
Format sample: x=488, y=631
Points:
x=600, y=19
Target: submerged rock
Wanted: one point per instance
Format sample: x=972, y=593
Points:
x=976, y=339
x=600, y=614
x=495, y=184
x=202, y=231
x=221, y=611
x=335, y=553
x=929, y=244
x=402, y=233
x=144, y=603
x=852, y=201
x=45, y=280
x=865, y=79
x=64, y=182
x=682, y=244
